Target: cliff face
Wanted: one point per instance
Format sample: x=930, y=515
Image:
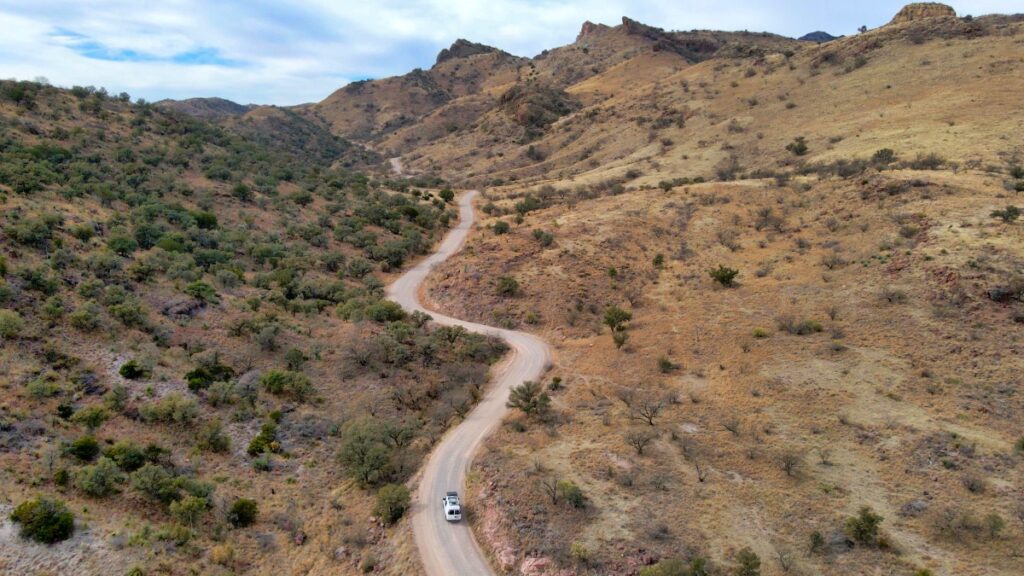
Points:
x=589, y=29
x=920, y=10
x=463, y=49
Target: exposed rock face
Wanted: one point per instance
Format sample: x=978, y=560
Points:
x=920, y=10
x=182, y=308
x=462, y=49
x=590, y=29
x=535, y=106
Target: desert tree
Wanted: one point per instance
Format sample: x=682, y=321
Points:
x=639, y=439
x=642, y=406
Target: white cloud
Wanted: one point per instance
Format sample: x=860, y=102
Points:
x=287, y=53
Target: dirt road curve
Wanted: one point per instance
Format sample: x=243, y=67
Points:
x=448, y=549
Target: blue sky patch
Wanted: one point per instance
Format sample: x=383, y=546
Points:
x=90, y=48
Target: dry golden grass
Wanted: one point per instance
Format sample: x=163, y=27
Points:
x=891, y=403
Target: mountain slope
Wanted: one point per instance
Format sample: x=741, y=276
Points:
x=786, y=302
x=920, y=87
x=191, y=316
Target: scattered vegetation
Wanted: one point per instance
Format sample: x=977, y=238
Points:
x=44, y=520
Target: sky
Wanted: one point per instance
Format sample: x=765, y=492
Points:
x=284, y=53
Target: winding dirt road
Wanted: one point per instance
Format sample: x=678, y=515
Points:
x=449, y=549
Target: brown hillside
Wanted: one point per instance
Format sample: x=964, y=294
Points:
x=866, y=355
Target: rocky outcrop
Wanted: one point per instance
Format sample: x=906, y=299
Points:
x=921, y=10
x=463, y=49
x=591, y=29
x=182, y=309
x=536, y=106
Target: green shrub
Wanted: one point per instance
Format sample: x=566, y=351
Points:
x=365, y=451
x=243, y=512
x=545, y=238
x=798, y=146
x=11, y=324
x=116, y=398
x=202, y=291
x=122, y=245
x=501, y=227
x=579, y=553
x=446, y=194
x=724, y=275
x=799, y=328
x=171, y=409
x=265, y=441
x=392, y=502
x=286, y=383
x=572, y=493
x=205, y=220
x=883, y=157
x=211, y=437
x=666, y=365
x=87, y=317
x=615, y=318
x=384, y=311
x=1008, y=215
x=817, y=543
x=931, y=161
x=85, y=448
x=155, y=483
x=221, y=393
x=36, y=232
x=863, y=528
x=100, y=479
x=126, y=455
x=45, y=386
x=130, y=313
x=44, y=520
x=92, y=417
x=132, y=370
x=619, y=339
x=53, y=309
x=530, y=398
x=748, y=564
x=507, y=286
x=202, y=376
x=189, y=510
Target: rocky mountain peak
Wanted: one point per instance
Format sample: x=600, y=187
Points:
x=590, y=29
x=462, y=48
x=921, y=10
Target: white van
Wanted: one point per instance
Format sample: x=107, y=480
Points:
x=451, y=507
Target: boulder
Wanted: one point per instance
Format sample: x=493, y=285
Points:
x=182, y=308
x=914, y=508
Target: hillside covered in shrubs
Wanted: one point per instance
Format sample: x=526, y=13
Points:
x=198, y=368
